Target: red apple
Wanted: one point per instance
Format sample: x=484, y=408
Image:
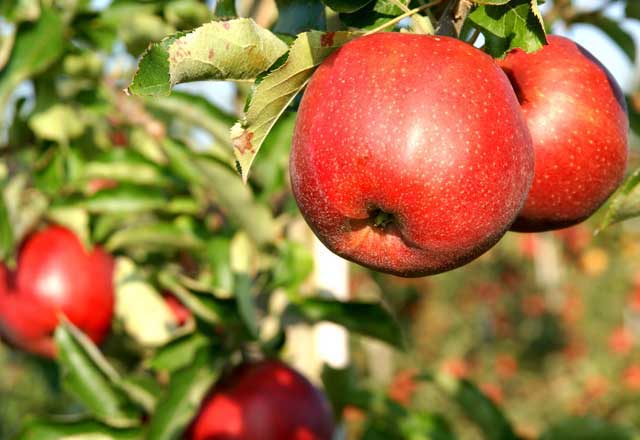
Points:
x=55, y=275
x=181, y=313
x=410, y=153
x=266, y=400
x=577, y=117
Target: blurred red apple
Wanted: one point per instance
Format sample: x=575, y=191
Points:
x=55, y=275
x=410, y=154
x=180, y=312
x=577, y=117
x=266, y=400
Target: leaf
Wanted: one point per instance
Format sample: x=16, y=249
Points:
x=226, y=8
x=365, y=318
x=196, y=110
x=90, y=378
x=221, y=50
x=625, y=204
x=88, y=429
x=633, y=9
x=179, y=353
x=36, y=47
x=183, y=398
x=613, y=29
x=293, y=266
x=275, y=91
x=205, y=306
x=6, y=231
x=478, y=408
x=125, y=165
x=346, y=5
x=517, y=24
x=142, y=311
x=25, y=206
x=374, y=14
x=157, y=235
x=297, y=16
x=73, y=218
x=59, y=123
x=246, y=303
x=586, y=428
x=124, y=199
x=238, y=202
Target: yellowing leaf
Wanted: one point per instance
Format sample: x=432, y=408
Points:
x=275, y=91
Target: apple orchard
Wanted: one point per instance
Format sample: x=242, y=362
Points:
x=407, y=219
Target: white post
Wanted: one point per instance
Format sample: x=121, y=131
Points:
x=332, y=279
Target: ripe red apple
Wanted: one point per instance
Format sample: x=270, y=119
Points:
x=410, y=153
x=55, y=275
x=577, y=117
x=266, y=400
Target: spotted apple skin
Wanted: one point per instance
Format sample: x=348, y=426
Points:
x=578, y=121
x=55, y=275
x=425, y=130
x=266, y=400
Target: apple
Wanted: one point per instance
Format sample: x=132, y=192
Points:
x=410, y=153
x=266, y=400
x=55, y=275
x=181, y=313
x=577, y=117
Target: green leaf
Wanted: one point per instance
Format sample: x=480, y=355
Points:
x=152, y=77
x=371, y=16
x=179, y=353
x=186, y=14
x=586, y=428
x=157, y=235
x=625, y=204
x=226, y=8
x=633, y=110
x=219, y=257
x=246, y=304
x=238, y=201
x=124, y=165
x=124, y=199
x=365, y=318
x=297, y=16
x=64, y=430
x=517, y=24
x=204, y=305
x=346, y=5
x=478, y=408
x=59, y=123
x=198, y=111
x=613, y=29
x=90, y=378
x=6, y=231
x=183, y=398
x=36, y=47
x=16, y=11
x=277, y=89
x=293, y=266
x=633, y=9
x=230, y=50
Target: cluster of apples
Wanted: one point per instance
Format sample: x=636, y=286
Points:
x=415, y=154
x=57, y=276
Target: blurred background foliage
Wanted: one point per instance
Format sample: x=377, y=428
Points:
x=546, y=325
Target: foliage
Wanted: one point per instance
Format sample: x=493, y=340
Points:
x=153, y=178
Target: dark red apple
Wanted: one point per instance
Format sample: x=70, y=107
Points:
x=410, y=153
x=577, y=117
x=265, y=400
x=55, y=275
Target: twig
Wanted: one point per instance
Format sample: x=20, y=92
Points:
x=453, y=17
x=399, y=18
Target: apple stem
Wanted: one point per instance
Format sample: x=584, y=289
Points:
x=382, y=219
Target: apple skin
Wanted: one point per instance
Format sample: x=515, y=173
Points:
x=425, y=129
x=577, y=117
x=266, y=400
x=55, y=275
